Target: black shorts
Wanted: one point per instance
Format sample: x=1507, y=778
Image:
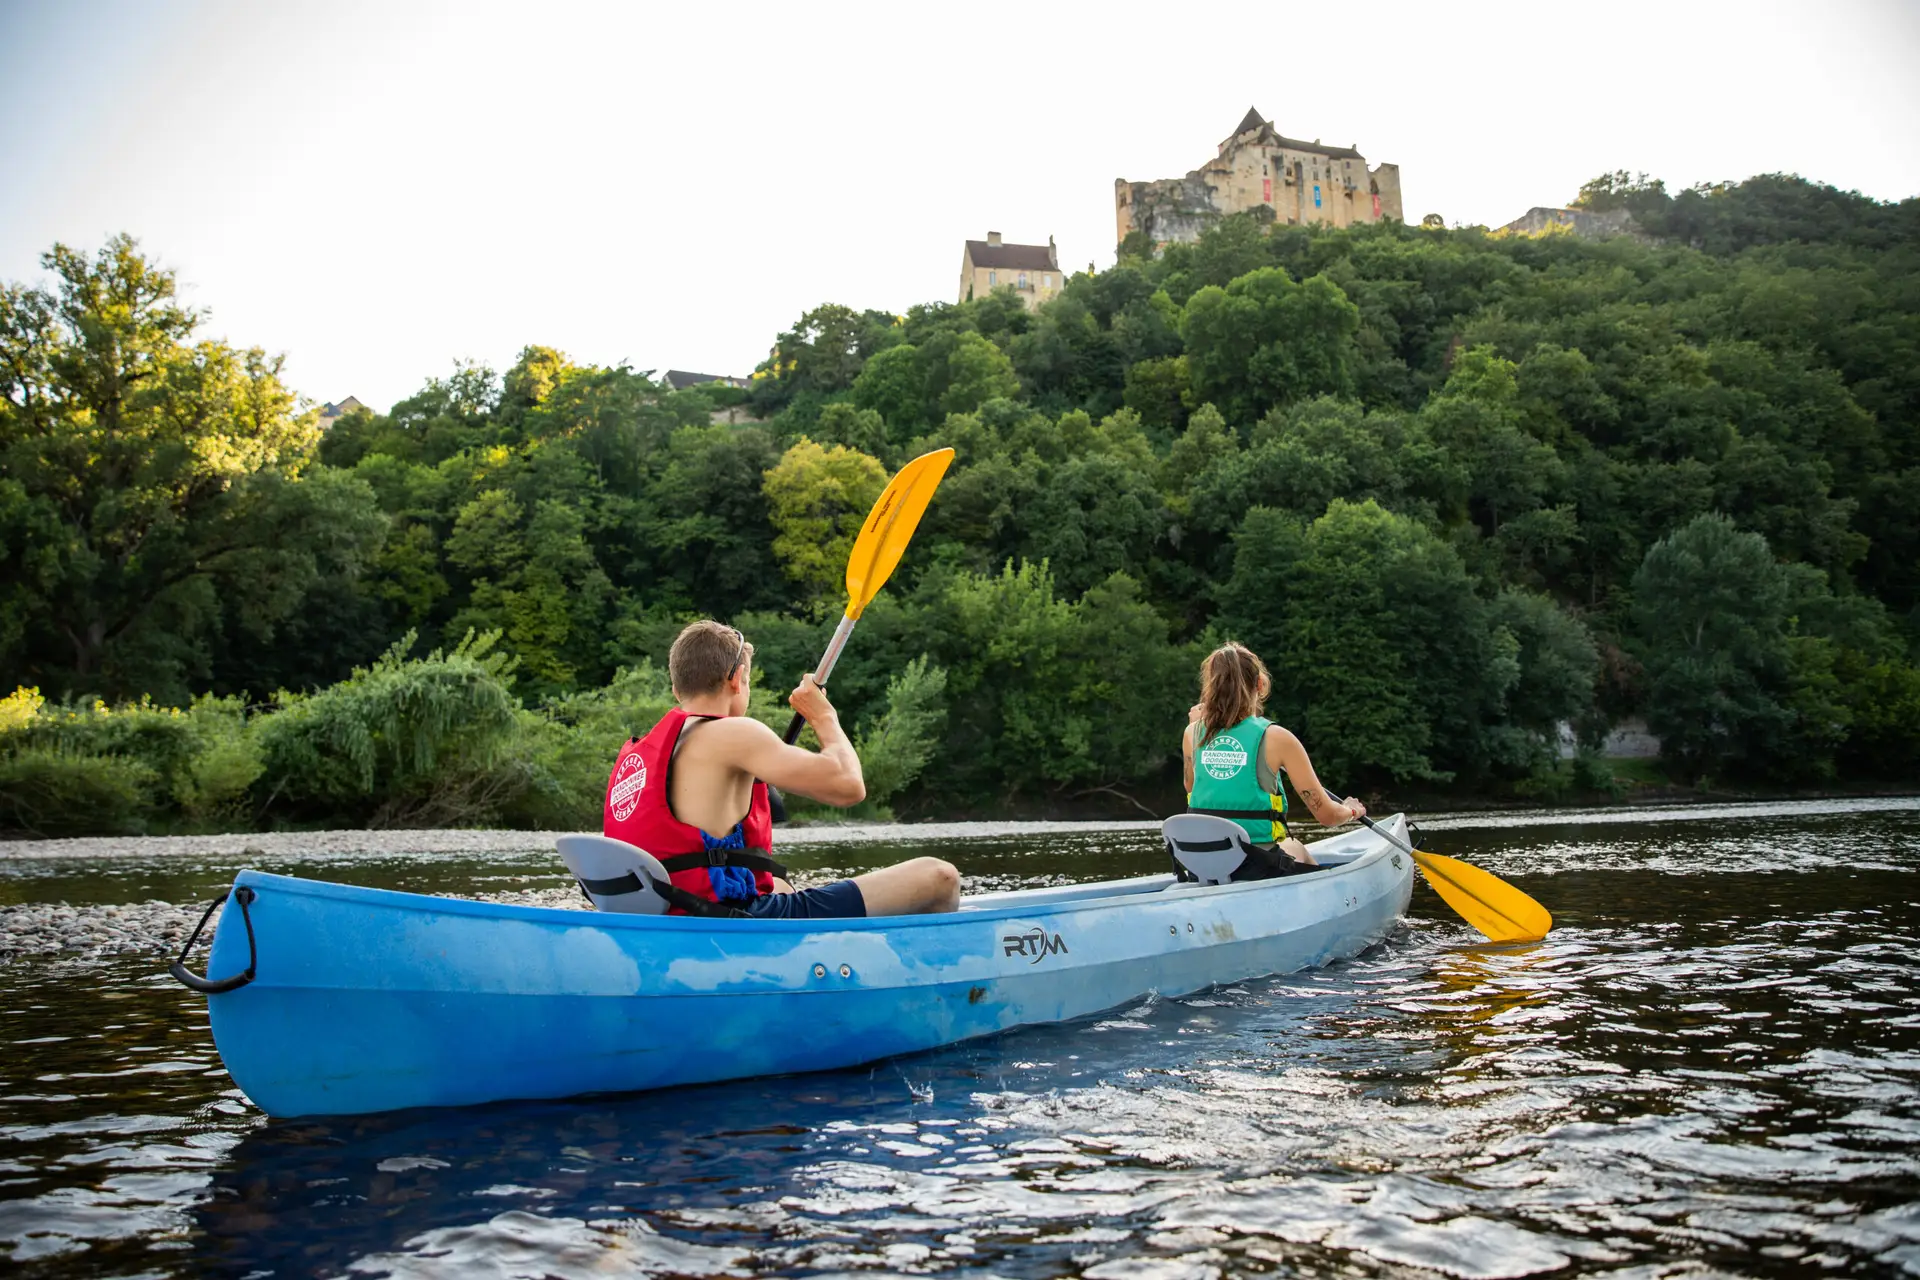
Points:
x=1269, y=862
x=840, y=900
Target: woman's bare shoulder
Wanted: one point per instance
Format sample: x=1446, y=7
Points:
x=1282, y=739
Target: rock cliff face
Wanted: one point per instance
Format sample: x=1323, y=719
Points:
x=1168, y=209
x=1540, y=220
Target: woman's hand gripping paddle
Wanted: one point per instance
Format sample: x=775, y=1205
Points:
x=1483, y=899
x=889, y=527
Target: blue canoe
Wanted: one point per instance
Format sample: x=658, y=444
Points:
x=369, y=1000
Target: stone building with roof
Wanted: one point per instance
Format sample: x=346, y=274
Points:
x=332, y=413
x=1300, y=182
x=1031, y=270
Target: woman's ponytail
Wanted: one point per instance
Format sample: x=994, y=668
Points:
x=1229, y=687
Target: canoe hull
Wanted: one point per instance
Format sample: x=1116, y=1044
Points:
x=370, y=1000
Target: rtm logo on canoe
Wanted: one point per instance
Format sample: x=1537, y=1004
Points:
x=1034, y=942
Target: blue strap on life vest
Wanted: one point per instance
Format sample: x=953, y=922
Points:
x=730, y=884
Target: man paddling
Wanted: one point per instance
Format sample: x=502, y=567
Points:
x=693, y=792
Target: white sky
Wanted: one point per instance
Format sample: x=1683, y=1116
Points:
x=378, y=190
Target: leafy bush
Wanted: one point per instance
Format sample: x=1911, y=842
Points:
x=1585, y=775
x=122, y=769
x=894, y=748
x=56, y=791
x=563, y=751
x=213, y=788
x=404, y=742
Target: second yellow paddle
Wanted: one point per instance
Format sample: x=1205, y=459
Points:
x=883, y=539
x=1483, y=899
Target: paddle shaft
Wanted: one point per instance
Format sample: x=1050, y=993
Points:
x=822, y=671
x=1392, y=839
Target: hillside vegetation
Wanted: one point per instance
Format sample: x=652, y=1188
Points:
x=1458, y=489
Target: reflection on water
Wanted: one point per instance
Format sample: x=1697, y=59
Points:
x=1713, y=1062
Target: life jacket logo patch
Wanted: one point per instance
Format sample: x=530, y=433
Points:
x=629, y=780
x=1035, y=942
x=1223, y=757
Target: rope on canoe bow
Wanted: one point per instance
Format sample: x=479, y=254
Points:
x=211, y=986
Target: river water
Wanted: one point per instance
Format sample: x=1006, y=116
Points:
x=1711, y=1067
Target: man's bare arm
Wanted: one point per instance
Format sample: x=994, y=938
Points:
x=831, y=775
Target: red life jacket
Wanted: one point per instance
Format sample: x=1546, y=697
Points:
x=639, y=811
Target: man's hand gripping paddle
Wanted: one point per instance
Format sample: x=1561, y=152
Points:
x=889, y=527
x=1483, y=899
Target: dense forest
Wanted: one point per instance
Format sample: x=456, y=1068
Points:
x=1474, y=497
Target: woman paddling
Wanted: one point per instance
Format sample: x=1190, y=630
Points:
x=1242, y=759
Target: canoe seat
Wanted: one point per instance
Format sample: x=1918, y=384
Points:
x=615, y=875
x=1205, y=848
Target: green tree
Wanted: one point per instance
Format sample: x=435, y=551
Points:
x=705, y=537
x=825, y=350
x=1477, y=417
x=1709, y=612
x=535, y=580
x=1095, y=516
x=1048, y=695
x=976, y=372
x=152, y=483
x=534, y=377
x=1559, y=666
x=1265, y=340
x=862, y=430
x=1161, y=392
x=894, y=385
x=819, y=498
x=1382, y=656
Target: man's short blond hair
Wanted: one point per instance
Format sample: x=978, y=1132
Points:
x=704, y=655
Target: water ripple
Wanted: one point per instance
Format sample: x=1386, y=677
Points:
x=1695, y=1074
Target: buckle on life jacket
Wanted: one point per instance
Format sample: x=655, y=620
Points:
x=750, y=859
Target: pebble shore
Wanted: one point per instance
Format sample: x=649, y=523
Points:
x=291, y=845
x=101, y=931
x=96, y=931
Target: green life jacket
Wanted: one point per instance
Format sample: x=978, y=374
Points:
x=1226, y=782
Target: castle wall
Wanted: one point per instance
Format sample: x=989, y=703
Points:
x=1302, y=184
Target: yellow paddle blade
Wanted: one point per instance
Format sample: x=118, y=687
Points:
x=1484, y=900
x=896, y=514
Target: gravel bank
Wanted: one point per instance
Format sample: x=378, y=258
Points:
x=293, y=845
x=96, y=932
x=155, y=928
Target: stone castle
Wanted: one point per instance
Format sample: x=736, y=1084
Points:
x=1301, y=182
